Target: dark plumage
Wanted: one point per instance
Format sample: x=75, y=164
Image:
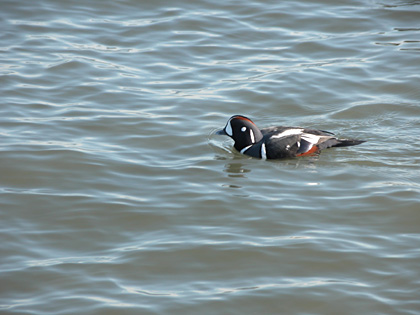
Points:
x=279, y=142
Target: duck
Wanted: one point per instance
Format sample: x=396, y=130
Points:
x=279, y=142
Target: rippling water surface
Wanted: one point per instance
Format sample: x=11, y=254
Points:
x=118, y=198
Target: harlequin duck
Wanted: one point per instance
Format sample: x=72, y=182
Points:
x=279, y=142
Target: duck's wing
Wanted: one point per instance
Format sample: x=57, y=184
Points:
x=282, y=147
x=292, y=142
x=290, y=130
x=281, y=142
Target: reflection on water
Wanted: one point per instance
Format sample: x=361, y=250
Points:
x=236, y=170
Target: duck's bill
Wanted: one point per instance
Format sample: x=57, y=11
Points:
x=221, y=132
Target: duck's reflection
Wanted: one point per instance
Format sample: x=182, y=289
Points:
x=238, y=167
x=236, y=170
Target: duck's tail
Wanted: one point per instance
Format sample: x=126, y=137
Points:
x=347, y=142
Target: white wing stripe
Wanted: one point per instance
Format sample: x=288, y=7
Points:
x=288, y=132
x=311, y=138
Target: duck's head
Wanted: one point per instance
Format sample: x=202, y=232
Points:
x=242, y=130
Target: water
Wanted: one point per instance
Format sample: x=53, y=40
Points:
x=118, y=198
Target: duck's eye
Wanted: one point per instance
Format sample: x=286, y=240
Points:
x=243, y=129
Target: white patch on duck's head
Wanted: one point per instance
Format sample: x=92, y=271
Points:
x=251, y=133
x=228, y=128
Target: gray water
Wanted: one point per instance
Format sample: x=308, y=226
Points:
x=118, y=198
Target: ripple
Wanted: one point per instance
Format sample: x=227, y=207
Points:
x=69, y=260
